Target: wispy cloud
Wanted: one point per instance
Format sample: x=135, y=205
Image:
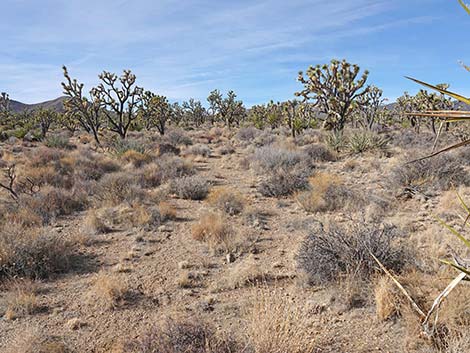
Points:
x=185, y=49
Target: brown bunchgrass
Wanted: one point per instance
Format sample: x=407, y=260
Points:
x=230, y=201
x=279, y=324
x=111, y=290
x=213, y=229
x=167, y=211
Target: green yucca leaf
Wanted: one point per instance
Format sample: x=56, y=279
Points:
x=465, y=207
x=456, y=233
x=465, y=6
x=454, y=265
x=443, y=91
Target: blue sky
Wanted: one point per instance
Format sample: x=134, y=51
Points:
x=185, y=49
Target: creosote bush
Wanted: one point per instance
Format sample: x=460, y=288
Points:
x=33, y=253
x=327, y=253
x=190, y=187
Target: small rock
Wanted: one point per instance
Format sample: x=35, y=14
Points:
x=230, y=258
x=165, y=229
x=75, y=324
x=182, y=265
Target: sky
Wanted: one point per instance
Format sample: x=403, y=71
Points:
x=187, y=48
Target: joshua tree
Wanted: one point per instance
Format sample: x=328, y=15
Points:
x=77, y=107
x=155, y=111
x=228, y=109
x=45, y=118
x=292, y=115
x=119, y=103
x=369, y=106
x=333, y=88
x=4, y=107
x=195, y=112
x=434, y=101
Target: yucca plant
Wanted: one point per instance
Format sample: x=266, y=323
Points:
x=462, y=265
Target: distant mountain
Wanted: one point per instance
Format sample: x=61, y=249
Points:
x=55, y=104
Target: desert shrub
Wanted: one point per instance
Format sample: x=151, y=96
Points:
x=43, y=155
x=229, y=201
x=327, y=193
x=32, y=341
x=327, y=253
x=199, y=150
x=32, y=253
x=187, y=335
x=164, y=170
x=440, y=172
x=278, y=324
x=22, y=299
x=336, y=141
x=178, y=137
x=58, y=141
x=363, y=141
x=226, y=149
x=116, y=188
x=121, y=146
x=167, y=149
x=265, y=138
x=213, y=229
x=137, y=159
x=167, y=211
x=319, y=153
x=271, y=159
x=283, y=183
x=248, y=133
x=190, y=187
x=48, y=204
x=110, y=290
x=87, y=165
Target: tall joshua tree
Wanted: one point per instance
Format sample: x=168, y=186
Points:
x=4, y=107
x=369, y=106
x=333, y=88
x=155, y=111
x=120, y=103
x=87, y=111
x=228, y=109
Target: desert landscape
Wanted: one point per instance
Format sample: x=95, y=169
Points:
x=334, y=221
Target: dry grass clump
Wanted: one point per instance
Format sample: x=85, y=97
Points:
x=279, y=324
x=227, y=200
x=88, y=165
x=32, y=341
x=116, y=188
x=94, y=224
x=137, y=159
x=213, y=229
x=21, y=300
x=32, y=253
x=167, y=211
x=243, y=273
x=327, y=193
x=226, y=149
x=110, y=290
x=440, y=172
x=325, y=254
x=190, y=187
x=164, y=170
x=270, y=159
x=188, y=335
x=43, y=155
x=198, y=150
x=178, y=137
x=387, y=299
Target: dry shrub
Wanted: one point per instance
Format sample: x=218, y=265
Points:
x=284, y=183
x=22, y=299
x=198, y=150
x=270, y=159
x=32, y=253
x=116, y=188
x=319, y=153
x=137, y=159
x=167, y=211
x=94, y=224
x=244, y=273
x=440, y=173
x=213, y=229
x=227, y=200
x=87, y=165
x=226, y=149
x=110, y=290
x=188, y=335
x=387, y=300
x=279, y=324
x=190, y=187
x=163, y=170
x=32, y=341
x=43, y=155
x=178, y=137
x=355, y=290
x=325, y=254
x=327, y=193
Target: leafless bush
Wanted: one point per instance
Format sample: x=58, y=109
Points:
x=164, y=170
x=248, y=133
x=32, y=253
x=319, y=153
x=230, y=201
x=327, y=253
x=178, y=137
x=198, y=150
x=270, y=159
x=190, y=187
x=118, y=187
x=188, y=336
x=441, y=173
x=284, y=183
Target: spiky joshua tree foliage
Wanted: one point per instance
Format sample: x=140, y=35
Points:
x=155, y=111
x=4, y=107
x=333, y=88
